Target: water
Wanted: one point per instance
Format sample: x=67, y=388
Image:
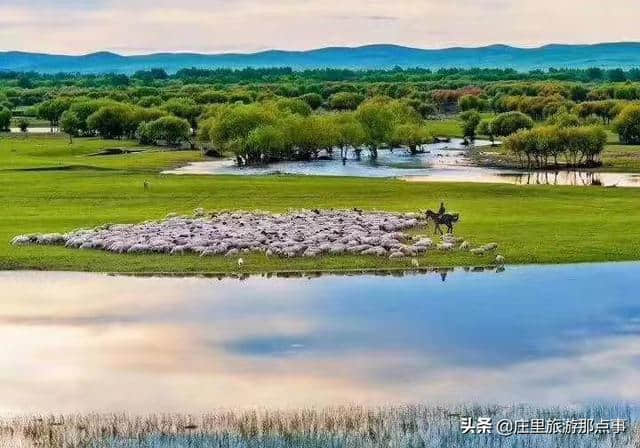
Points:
x=75, y=342
x=441, y=162
x=35, y=130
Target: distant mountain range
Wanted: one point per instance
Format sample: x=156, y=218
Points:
x=605, y=55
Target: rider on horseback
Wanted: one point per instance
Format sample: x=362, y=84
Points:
x=442, y=217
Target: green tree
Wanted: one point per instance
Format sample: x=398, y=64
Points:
x=485, y=127
x=379, y=116
x=469, y=102
x=294, y=106
x=172, y=130
x=510, y=122
x=83, y=108
x=350, y=133
x=5, y=119
x=70, y=124
x=627, y=125
x=470, y=121
x=185, y=108
x=112, y=121
x=52, y=110
x=411, y=135
x=23, y=125
x=212, y=97
x=564, y=120
x=314, y=100
x=265, y=142
x=345, y=101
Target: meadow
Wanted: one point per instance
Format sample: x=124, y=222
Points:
x=48, y=185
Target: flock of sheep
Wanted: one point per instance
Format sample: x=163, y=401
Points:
x=305, y=233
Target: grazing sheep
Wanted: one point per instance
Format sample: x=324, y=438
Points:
x=465, y=245
x=477, y=251
x=490, y=247
x=309, y=233
x=21, y=240
x=499, y=260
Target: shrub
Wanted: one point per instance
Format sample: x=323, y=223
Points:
x=111, y=121
x=345, y=101
x=172, y=130
x=627, y=125
x=510, y=122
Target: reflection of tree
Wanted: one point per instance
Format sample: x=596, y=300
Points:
x=573, y=178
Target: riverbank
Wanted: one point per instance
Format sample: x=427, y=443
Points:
x=47, y=185
x=615, y=158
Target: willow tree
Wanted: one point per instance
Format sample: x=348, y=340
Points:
x=411, y=135
x=379, y=116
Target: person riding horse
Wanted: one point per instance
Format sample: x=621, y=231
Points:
x=442, y=218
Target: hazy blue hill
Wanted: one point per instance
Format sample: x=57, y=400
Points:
x=607, y=55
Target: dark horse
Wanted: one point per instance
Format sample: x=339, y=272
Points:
x=447, y=219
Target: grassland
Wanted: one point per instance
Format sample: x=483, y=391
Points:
x=47, y=185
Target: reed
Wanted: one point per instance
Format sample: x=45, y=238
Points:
x=352, y=427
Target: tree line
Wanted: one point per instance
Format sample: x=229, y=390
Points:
x=287, y=130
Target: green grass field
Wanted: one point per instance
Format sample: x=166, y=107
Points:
x=47, y=185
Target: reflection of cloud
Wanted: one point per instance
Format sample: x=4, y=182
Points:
x=94, y=342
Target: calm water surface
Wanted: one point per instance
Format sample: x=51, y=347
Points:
x=540, y=334
x=441, y=162
x=35, y=130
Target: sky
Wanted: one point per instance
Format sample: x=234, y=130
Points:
x=220, y=26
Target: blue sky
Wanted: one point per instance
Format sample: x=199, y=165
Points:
x=142, y=26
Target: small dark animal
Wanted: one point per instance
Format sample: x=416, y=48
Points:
x=146, y=185
x=447, y=219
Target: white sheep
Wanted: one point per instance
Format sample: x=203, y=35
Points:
x=295, y=234
x=499, y=260
x=240, y=262
x=21, y=240
x=415, y=263
x=489, y=247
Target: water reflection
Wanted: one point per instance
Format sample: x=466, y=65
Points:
x=390, y=163
x=550, y=335
x=440, y=162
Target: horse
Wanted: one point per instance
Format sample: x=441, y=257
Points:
x=447, y=219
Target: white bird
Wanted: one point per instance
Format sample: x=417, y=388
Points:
x=240, y=262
